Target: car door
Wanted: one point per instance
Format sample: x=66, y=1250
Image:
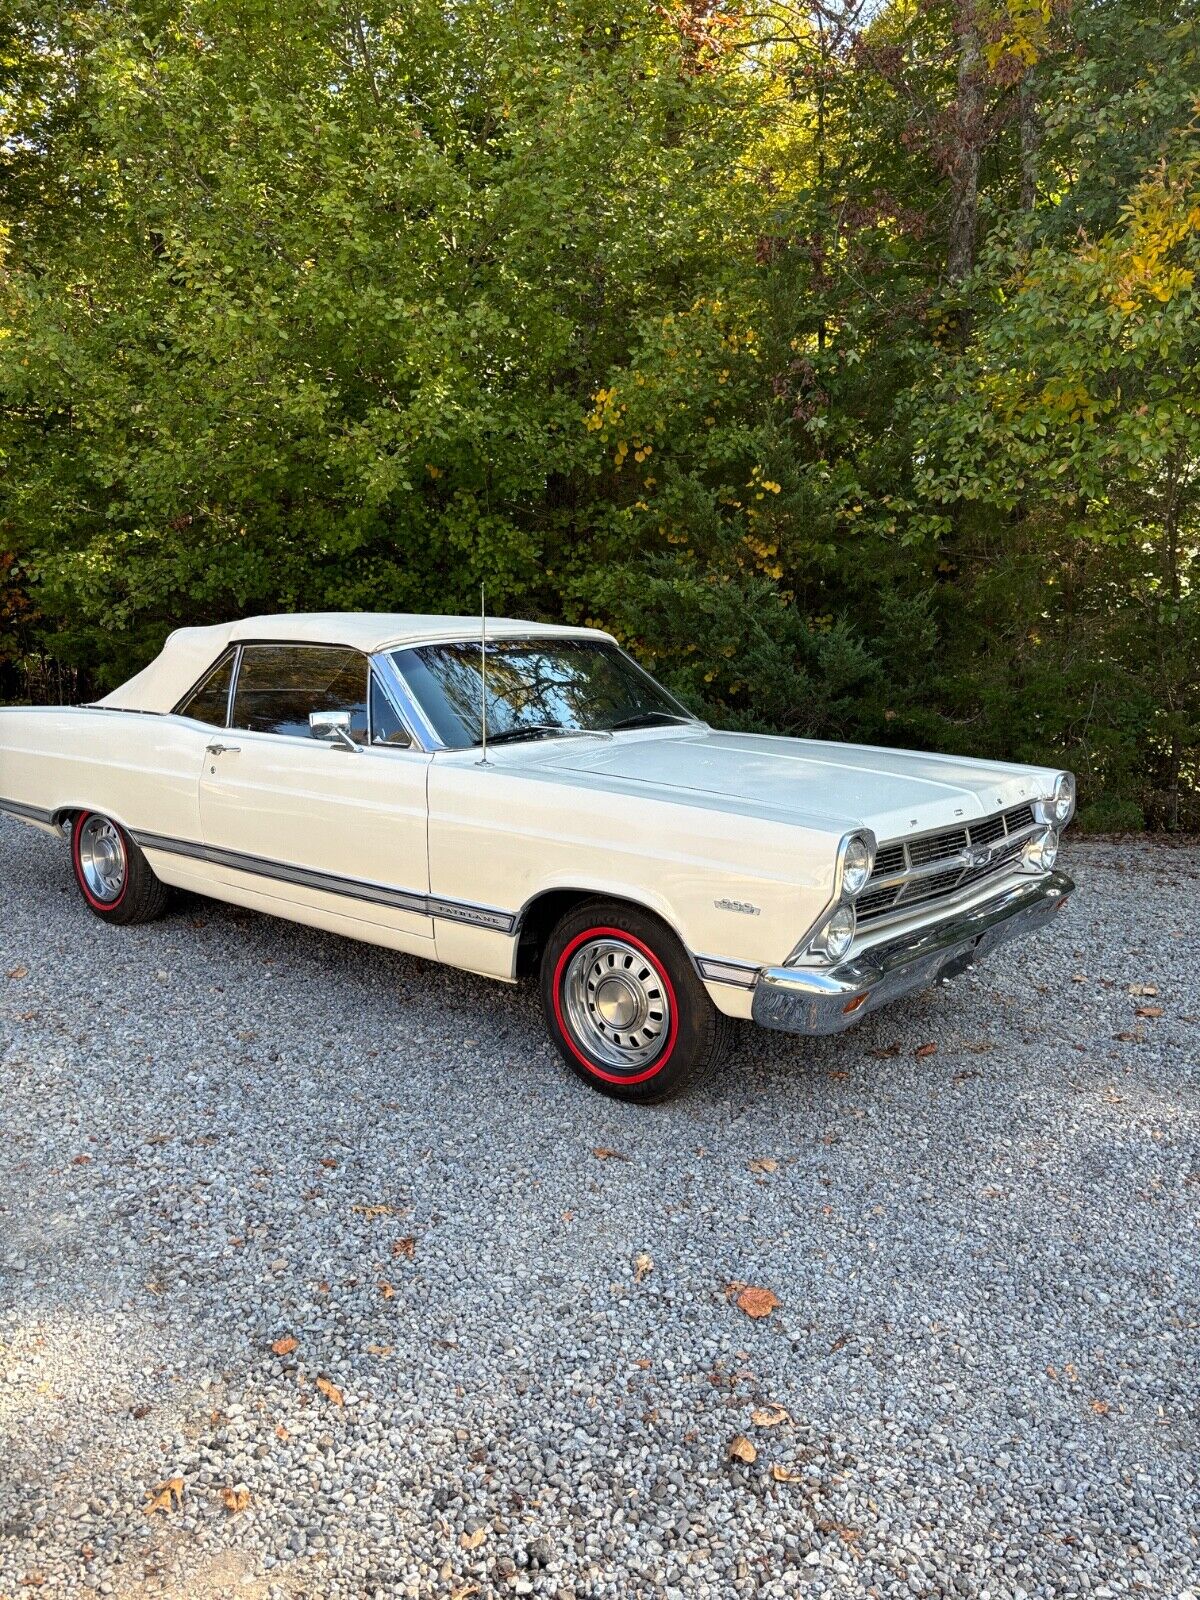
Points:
x=324, y=823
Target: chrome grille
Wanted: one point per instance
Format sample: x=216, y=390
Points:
x=909, y=873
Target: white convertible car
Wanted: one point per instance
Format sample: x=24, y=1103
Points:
x=658, y=876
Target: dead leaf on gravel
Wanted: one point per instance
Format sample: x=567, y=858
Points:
x=1100, y=1407
x=763, y=1164
x=281, y=1433
x=740, y=1449
x=166, y=1497
x=331, y=1391
x=374, y=1211
x=923, y=1050
x=757, y=1302
x=380, y=1349
x=770, y=1416
x=643, y=1266
x=405, y=1247
x=785, y=1474
x=464, y=1591
x=1149, y=1011
x=236, y=1499
x=603, y=1153
x=472, y=1541
x=386, y=1289
x=1127, y=1036
x=18, y=972
x=80, y=1161
x=329, y=1161
x=884, y=1052
x=1147, y=989
x=285, y=1346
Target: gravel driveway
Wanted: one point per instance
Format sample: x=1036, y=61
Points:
x=509, y=1357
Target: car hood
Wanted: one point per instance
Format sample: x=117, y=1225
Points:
x=892, y=792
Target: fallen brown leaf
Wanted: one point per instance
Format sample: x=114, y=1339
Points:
x=785, y=1474
x=80, y=1161
x=380, y=1349
x=331, y=1391
x=884, y=1052
x=1149, y=1011
x=373, y=1211
x=929, y=1049
x=757, y=1302
x=740, y=1449
x=464, y=1591
x=1147, y=989
x=285, y=1346
x=281, y=1433
x=763, y=1164
x=18, y=972
x=1126, y=1036
x=386, y=1289
x=1100, y=1407
x=236, y=1499
x=166, y=1497
x=603, y=1153
x=643, y=1266
x=329, y=1161
x=405, y=1247
x=472, y=1541
x=770, y=1416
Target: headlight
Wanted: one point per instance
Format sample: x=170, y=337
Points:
x=1061, y=805
x=1042, y=851
x=856, y=866
x=837, y=935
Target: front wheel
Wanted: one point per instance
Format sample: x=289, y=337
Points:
x=624, y=1004
x=116, y=879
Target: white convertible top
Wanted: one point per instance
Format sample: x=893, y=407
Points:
x=188, y=652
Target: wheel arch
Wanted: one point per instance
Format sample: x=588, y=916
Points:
x=540, y=914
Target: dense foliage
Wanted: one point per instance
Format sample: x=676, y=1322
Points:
x=846, y=364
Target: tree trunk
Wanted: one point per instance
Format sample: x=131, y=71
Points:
x=966, y=131
x=1031, y=138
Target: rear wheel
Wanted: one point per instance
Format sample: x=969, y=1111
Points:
x=624, y=1004
x=113, y=875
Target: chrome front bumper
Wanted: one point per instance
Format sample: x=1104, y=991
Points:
x=815, y=1000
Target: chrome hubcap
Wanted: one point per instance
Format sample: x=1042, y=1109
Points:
x=102, y=859
x=616, y=1004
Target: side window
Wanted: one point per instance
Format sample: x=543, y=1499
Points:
x=209, y=702
x=386, y=726
x=279, y=684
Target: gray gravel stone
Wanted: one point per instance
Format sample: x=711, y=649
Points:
x=220, y=1130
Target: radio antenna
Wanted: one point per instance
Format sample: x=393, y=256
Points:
x=483, y=760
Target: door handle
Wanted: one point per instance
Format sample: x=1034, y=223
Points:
x=222, y=749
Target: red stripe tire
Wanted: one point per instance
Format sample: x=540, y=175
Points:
x=113, y=875
x=624, y=1005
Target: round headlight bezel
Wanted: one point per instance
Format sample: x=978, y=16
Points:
x=1042, y=850
x=836, y=933
x=1059, y=807
x=858, y=858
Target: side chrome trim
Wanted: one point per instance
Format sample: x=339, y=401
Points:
x=330, y=883
x=18, y=808
x=737, y=974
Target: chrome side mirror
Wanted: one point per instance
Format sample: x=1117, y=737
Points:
x=333, y=727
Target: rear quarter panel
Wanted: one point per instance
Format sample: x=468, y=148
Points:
x=140, y=769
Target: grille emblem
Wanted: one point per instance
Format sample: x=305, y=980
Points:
x=977, y=855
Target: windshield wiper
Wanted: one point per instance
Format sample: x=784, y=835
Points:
x=649, y=719
x=547, y=730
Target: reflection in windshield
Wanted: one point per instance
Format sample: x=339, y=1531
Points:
x=536, y=688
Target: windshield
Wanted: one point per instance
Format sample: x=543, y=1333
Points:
x=536, y=689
